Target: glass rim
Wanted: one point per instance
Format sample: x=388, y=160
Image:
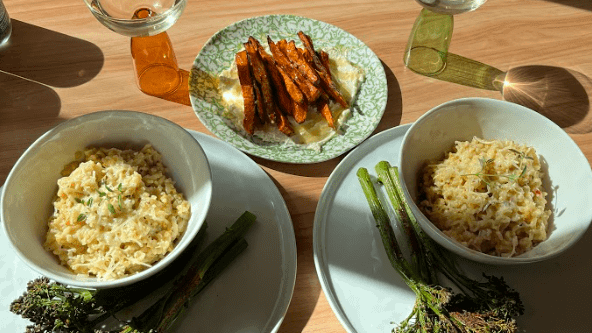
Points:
x=179, y=4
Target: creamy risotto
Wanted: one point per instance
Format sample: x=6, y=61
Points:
x=488, y=195
x=116, y=213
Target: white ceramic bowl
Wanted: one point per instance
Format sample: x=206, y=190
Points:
x=568, y=176
x=26, y=199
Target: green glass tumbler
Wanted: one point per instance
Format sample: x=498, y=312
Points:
x=427, y=48
x=427, y=54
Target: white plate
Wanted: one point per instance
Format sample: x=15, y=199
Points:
x=253, y=293
x=367, y=294
x=218, y=54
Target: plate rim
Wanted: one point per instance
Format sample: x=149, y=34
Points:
x=381, y=77
x=319, y=226
x=289, y=242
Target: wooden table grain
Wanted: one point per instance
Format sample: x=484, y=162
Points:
x=63, y=63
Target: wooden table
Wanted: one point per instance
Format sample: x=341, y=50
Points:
x=63, y=63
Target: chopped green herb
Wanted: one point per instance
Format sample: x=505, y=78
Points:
x=486, y=177
x=90, y=202
x=81, y=218
x=108, y=189
x=120, y=187
x=119, y=201
x=523, y=172
x=111, y=208
x=78, y=200
x=101, y=194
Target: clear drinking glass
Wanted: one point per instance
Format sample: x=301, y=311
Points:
x=146, y=22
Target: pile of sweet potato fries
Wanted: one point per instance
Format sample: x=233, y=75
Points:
x=285, y=83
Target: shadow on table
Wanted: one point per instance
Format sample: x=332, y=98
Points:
x=394, y=105
x=23, y=101
x=29, y=69
x=587, y=5
x=560, y=94
x=49, y=57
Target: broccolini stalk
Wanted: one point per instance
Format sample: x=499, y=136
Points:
x=428, y=298
x=54, y=307
x=407, y=221
x=480, y=307
x=383, y=223
x=496, y=295
x=161, y=315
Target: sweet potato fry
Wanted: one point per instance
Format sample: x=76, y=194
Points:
x=308, y=89
x=284, y=82
x=291, y=86
x=293, y=90
x=246, y=82
x=324, y=57
x=323, y=108
x=259, y=102
x=283, y=100
x=306, y=55
x=282, y=45
x=301, y=64
x=260, y=74
x=282, y=123
x=300, y=111
x=325, y=75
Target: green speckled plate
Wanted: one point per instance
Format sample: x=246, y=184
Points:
x=218, y=54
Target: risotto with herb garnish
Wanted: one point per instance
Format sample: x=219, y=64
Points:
x=487, y=195
x=116, y=213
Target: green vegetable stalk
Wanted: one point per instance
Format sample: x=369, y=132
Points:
x=479, y=307
x=54, y=307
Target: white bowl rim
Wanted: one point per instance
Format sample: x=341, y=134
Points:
x=450, y=243
x=94, y=283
